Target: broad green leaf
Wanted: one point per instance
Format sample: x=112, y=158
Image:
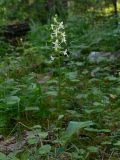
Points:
x=15, y=158
x=14, y=92
x=33, y=140
x=71, y=75
x=92, y=149
x=12, y=156
x=105, y=130
x=91, y=129
x=3, y=156
x=98, y=130
x=12, y=100
x=77, y=156
x=97, y=104
x=44, y=149
x=85, y=72
x=52, y=82
x=79, y=63
x=73, y=113
x=36, y=127
x=80, y=96
x=89, y=111
x=60, y=117
x=106, y=143
x=74, y=126
x=117, y=143
x=52, y=93
x=111, y=78
x=43, y=135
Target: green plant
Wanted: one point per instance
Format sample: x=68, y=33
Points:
x=58, y=39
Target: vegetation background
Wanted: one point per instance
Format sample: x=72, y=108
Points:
x=68, y=108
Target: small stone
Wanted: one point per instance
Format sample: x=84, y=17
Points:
x=100, y=56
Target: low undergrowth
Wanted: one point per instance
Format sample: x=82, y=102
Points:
x=86, y=123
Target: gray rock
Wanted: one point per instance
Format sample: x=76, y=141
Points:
x=101, y=56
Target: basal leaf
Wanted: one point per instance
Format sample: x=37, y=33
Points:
x=12, y=100
x=3, y=156
x=74, y=126
x=44, y=149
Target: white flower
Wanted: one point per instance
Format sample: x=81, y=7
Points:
x=52, y=58
x=55, y=19
x=63, y=34
x=58, y=37
x=55, y=32
x=63, y=40
x=56, y=45
x=52, y=26
x=21, y=39
x=65, y=53
x=63, y=37
x=61, y=26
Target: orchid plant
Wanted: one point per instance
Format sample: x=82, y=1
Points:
x=58, y=39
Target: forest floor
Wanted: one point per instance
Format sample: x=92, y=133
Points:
x=82, y=121
x=86, y=126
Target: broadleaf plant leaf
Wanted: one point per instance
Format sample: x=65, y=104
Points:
x=3, y=156
x=44, y=149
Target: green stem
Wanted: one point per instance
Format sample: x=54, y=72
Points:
x=59, y=82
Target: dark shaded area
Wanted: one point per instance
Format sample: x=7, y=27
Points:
x=14, y=31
